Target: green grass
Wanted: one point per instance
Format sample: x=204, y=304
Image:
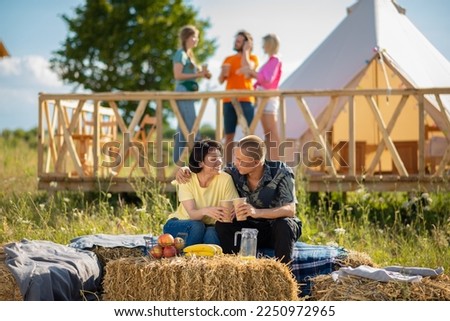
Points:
x=393, y=228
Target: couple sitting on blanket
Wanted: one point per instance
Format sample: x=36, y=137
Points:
x=268, y=187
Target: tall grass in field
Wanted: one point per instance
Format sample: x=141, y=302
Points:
x=393, y=228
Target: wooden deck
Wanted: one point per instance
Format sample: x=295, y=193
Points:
x=85, y=144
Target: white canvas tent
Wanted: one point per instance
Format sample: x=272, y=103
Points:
x=375, y=46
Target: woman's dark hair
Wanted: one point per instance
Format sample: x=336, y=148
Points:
x=199, y=152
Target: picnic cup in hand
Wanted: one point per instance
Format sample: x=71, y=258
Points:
x=228, y=204
x=226, y=70
x=236, y=203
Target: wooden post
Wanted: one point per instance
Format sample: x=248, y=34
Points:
x=282, y=127
x=351, y=136
x=282, y=119
x=219, y=119
x=96, y=139
x=389, y=128
x=184, y=130
x=421, y=136
x=387, y=139
x=160, y=174
x=41, y=141
x=317, y=135
x=51, y=149
x=445, y=159
x=258, y=115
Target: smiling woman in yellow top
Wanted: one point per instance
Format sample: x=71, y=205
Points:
x=199, y=199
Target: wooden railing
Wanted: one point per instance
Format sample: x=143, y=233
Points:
x=85, y=144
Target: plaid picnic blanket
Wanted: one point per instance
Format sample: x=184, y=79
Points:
x=310, y=260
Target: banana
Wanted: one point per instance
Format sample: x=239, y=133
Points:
x=200, y=253
x=200, y=248
x=218, y=248
x=203, y=250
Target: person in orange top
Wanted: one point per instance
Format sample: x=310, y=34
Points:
x=232, y=73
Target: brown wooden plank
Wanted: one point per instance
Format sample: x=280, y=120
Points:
x=137, y=116
x=389, y=129
x=387, y=139
x=446, y=131
x=241, y=120
x=317, y=135
x=181, y=122
x=351, y=135
x=160, y=173
x=69, y=143
x=123, y=128
x=259, y=112
x=421, y=160
x=219, y=120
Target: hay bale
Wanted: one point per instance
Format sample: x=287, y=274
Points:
x=219, y=278
x=353, y=288
x=9, y=290
x=106, y=254
x=355, y=259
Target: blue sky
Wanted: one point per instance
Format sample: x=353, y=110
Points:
x=31, y=30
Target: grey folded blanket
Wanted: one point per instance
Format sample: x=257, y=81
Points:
x=46, y=271
x=108, y=240
x=390, y=273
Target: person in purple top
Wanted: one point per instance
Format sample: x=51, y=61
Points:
x=268, y=78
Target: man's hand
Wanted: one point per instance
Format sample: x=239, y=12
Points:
x=245, y=210
x=183, y=175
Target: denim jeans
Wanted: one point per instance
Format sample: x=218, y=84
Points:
x=197, y=232
x=187, y=111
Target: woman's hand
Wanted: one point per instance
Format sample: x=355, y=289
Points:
x=216, y=212
x=204, y=73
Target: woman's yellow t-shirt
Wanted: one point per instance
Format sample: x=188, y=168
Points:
x=221, y=188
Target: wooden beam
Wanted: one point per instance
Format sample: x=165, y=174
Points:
x=421, y=124
x=119, y=119
x=351, y=136
x=137, y=116
x=283, y=119
x=41, y=137
x=184, y=130
x=96, y=139
x=317, y=135
x=389, y=129
x=51, y=149
x=259, y=112
x=167, y=95
x=241, y=120
x=219, y=120
x=446, y=131
x=160, y=174
x=198, y=119
x=69, y=143
x=74, y=122
x=387, y=139
x=327, y=120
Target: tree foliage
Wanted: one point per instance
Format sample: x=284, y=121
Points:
x=126, y=45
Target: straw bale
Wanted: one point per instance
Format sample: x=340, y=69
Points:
x=9, y=290
x=218, y=278
x=355, y=259
x=106, y=254
x=353, y=288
